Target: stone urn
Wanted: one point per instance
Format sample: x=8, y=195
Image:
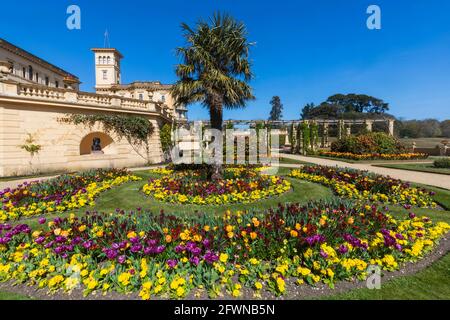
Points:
x=5, y=68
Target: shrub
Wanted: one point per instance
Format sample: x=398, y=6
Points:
x=442, y=163
x=373, y=142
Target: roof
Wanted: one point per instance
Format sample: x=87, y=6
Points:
x=31, y=57
x=108, y=50
x=149, y=85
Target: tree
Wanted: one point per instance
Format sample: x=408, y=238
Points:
x=359, y=103
x=445, y=128
x=215, y=69
x=277, y=109
x=324, y=111
x=306, y=110
x=430, y=128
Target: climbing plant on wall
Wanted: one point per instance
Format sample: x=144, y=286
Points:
x=165, y=136
x=306, y=131
x=136, y=130
x=314, y=132
x=31, y=147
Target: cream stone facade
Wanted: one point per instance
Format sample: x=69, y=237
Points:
x=34, y=109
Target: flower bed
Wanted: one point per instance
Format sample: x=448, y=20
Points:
x=172, y=257
x=66, y=192
x=374, y=156
x=239, y=185
x=355, y=184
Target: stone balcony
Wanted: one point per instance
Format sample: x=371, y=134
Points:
x=30, y=92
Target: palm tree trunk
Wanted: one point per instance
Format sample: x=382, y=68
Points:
x=216, y=118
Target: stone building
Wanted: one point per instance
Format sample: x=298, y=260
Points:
x=36, y=96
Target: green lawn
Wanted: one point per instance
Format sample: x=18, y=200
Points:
x=430, y=283
x=422, y=167
x=12, y=296
x=282, y=160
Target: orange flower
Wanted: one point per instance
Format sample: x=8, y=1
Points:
x=294, y=234
x=253, y=235
x=168, y=238
x=350, y=220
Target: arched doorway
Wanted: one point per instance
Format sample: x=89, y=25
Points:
x=99, y=142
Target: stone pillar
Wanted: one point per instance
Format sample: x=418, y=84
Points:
x=288, y=141
x=391, y=127
x=348, y=129
x=299, y=147
x=340, y=129
x=325, y=137
x=369, y=125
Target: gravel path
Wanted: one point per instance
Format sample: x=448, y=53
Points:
x=432, y=179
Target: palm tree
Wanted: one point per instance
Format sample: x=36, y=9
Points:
x=215, y=69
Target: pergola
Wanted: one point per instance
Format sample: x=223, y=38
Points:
x=294, y=129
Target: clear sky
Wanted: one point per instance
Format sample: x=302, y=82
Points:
x=305, y=50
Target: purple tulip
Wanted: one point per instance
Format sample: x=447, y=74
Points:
x=42, y=220
x=172, y=263
x=121, y=259
x=195, y=260
x=343, y=249
x=39, y=240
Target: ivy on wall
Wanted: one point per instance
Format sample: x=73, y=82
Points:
x=314, y=131
x=135, y=129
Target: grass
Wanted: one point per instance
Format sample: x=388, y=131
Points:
x=282, y=160
x=422, y=167
x=423, y=142
x=5, y=295
x=430, y=283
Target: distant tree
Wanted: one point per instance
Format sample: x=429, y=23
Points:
x=430, y=128
x=445, y=128
x=324, y=111
x=427, y=128
x=359, y=103
x=277, y=109
x=306, y=110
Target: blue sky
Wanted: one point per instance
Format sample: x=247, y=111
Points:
x=305, y=50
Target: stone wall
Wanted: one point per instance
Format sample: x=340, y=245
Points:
x=61, y=142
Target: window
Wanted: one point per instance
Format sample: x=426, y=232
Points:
x=163, y=98
x=37, y=77
x=105, y=75
x=30, y=73
x=99, y=60
x=47, y=81
x=24, y=72
x=141, y=96
x=108, y=60
x=56, y=84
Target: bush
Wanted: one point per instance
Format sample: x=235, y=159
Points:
x=373, y=142
x=442, y=163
